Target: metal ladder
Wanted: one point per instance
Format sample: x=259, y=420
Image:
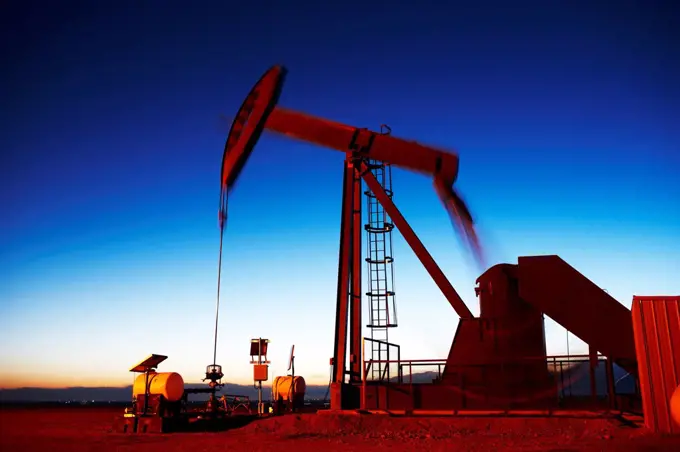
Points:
x=381, y=296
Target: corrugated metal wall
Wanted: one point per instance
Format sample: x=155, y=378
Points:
x=656, y=325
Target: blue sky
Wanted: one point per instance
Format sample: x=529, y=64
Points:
x=564, y=115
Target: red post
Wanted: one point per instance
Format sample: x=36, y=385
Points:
x=340, y=348
x=363, y=374
x=593, y=360
x=355, y=298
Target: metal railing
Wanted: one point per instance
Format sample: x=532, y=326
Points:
x=381, y=369
x=570, y=380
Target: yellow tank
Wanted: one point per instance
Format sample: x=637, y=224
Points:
x=281, y=387
x=168, y=384
x=675, y=405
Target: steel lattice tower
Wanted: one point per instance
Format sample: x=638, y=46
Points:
x=379, y=258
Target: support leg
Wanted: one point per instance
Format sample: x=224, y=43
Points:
x=355, y=304
x=340, y=347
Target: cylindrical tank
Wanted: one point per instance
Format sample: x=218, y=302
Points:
x=675, y=405
x=168, y=384
x=281, y=388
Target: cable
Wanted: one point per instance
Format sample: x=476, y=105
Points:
x=223, y=220
x=569, y=368
x=217, y=307
x=568, y=354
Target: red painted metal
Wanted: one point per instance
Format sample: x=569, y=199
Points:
x=560, y=291
x=356, y=295
x=513, y=299
x=656, y=322
x=249, y=123
x=349, y=294
x=259, y=111
x=499, y=357
x=405, y=154
x=508, y=331
x=367, y=144
x=339, y=354
x=519, y=325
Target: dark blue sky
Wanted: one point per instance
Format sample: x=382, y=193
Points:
x=565, y=115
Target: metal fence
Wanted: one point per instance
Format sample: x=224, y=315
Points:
x=573, y=380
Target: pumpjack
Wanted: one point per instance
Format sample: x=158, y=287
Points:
x=498, y=359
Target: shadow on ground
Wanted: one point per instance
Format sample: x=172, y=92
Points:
x=215, y=425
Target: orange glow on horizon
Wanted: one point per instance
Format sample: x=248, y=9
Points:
x=17, y=380
x=24, y=380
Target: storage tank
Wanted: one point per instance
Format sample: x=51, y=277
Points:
x=168, y=384
x=281, y=388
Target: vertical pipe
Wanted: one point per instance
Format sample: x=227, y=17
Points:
x=146, y=391
x=293, y=396
x=340, y=346
x=387, y=371
x=363, y=373
x=592, y=352
x=259, y=386
x=355, y=304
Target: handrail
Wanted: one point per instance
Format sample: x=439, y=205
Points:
x=566, y=378
x=554, y=360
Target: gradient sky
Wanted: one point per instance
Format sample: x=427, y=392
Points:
x=565, y=116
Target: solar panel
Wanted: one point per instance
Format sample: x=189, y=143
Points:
x=149, y=363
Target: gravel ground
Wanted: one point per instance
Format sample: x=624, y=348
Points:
x=90, y=429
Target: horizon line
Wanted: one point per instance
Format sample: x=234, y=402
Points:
x=130, y=385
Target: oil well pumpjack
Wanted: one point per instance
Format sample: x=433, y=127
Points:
x=497, y=360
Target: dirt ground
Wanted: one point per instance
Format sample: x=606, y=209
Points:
x=91, y=429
